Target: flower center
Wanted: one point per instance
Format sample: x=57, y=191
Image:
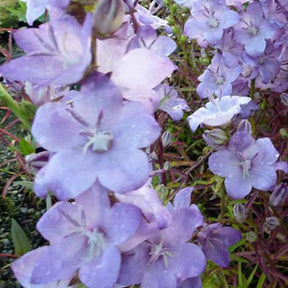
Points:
x=252, y=31
x=99, y=141
x=157, y=251
x=220, y=80
x=246, y=164
x=96, y=243
x=213, y=23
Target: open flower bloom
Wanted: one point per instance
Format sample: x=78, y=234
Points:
x=217, y=112
x=208, y=21
x=99, y=137
x=84, y=235
x=170, y=102
x=252, y=31
x=165, y=258
x=246, y=163
x=59, y=49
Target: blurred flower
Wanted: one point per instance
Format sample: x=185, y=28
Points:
x=62, y=47
x=108, y=16
x=36, y=8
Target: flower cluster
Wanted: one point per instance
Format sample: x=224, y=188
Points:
x=249, y=52
x=100, y=85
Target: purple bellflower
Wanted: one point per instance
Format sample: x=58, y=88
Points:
x=231, y=51
x=217, y=112
x=59, y=49
x=245, y=163
x=217, y=78
x=253, y=29
x=36, y=8
x=215, y=240
x=145, y=17
x=138, y=72
x=164, y=259
x=42, y=95
x=84, y=235
x=209, y=21
x=267, y=66
x=146, y=37
x=182, y=200
x=23, y=268
x=281, y=81
x=99, y=136
x=170, y=102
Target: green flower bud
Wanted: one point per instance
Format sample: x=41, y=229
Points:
x=108, y=16
x=251, y=237
x=279, y=195
x=271, y=223
x=239, y=212
x=245, y=125
x=183, y=39
x=215, y=138
x=284, y=99
x=166, y=138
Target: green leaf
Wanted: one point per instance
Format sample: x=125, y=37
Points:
x=25, y=147
x=28, y=109
x=19, y=238
x=249, y=280
x=240, y=276
x=261, y=281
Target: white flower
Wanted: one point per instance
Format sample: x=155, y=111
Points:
x=217, y=112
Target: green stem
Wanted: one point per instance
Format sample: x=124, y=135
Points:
x=7, y=100
x=252, y=89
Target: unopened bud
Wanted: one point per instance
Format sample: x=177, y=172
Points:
x=166, y=138
x=244, y=125
x=284, y=133
x=251, y=237
x=239, y=212
x=162, y=191
x=271, y=223
x=215, y=138
x=284, y=99
x=108, y=16
x=279, y=195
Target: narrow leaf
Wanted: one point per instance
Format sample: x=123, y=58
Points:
x=249, y=280
x=261, y=281
x=19, y=238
